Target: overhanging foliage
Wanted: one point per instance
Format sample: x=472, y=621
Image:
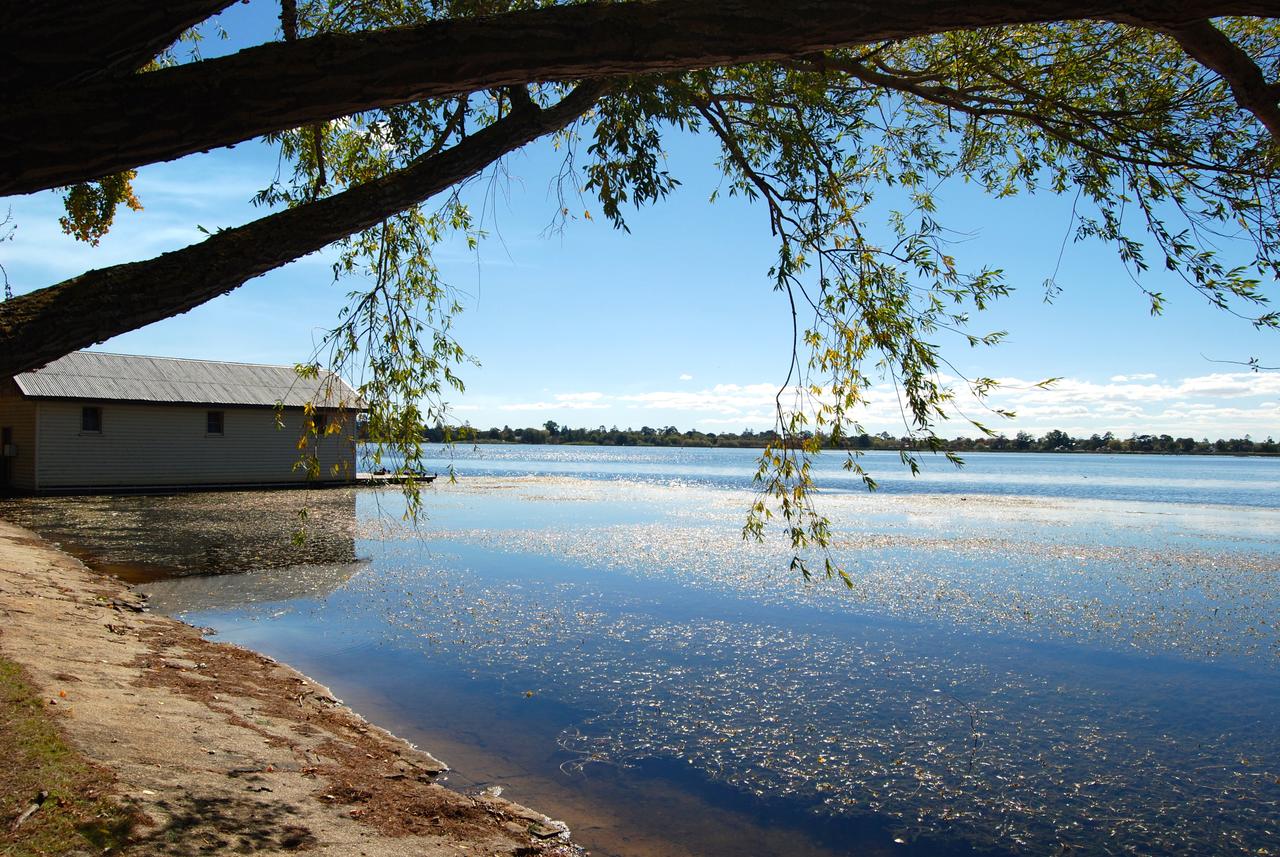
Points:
x=1159, y=118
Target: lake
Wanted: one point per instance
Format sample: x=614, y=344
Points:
x=1041, y=653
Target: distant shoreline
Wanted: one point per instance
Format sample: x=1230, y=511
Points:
x=968, y=451
x=553, y=434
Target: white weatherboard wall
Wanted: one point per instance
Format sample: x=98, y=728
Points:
x=20, y=415
x=153, y=445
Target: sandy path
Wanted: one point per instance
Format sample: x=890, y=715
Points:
x=224, y=750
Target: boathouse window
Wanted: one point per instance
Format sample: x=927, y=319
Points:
x=214, y=423
x=91, y=420
x=321, y=422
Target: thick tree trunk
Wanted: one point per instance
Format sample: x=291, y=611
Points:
x=43, y=325
x=1211, y=48
x=55, y=137
x=58, y=43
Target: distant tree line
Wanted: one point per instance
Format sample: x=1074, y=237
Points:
x=1060, y=441
x=552, y=432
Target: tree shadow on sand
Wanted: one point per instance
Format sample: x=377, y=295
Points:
x=203, y=825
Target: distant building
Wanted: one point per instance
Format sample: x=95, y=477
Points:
x=92, y=421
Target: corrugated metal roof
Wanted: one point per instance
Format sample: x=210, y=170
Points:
x=133, y=378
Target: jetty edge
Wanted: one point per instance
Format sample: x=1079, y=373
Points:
x=217, y=749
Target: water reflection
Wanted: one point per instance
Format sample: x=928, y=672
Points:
x=243, y=590
x=1024, y=678
x=150, y=537
x=1243, y=482
x=983, y=740
x=1011, y=674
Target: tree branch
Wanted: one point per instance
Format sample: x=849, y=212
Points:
x=60, y=43
x=1210, y=47
x=55, y=138
x=1053, y=122
x=36, y=328
x=730, y=142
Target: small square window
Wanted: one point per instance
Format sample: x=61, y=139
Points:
x=321, y=422
x=91, y=420
x=213, y=424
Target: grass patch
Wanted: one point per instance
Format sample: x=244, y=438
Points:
x=77, y=815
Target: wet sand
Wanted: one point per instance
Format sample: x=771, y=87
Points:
x=223, y=750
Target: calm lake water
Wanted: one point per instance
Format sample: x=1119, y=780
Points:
x=1042, y=652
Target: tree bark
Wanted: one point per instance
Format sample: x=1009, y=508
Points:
x=44, y=325
x=57, y=43
x=55, y=137
x=1210, y=47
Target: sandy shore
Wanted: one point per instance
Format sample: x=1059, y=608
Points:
x=223, y=750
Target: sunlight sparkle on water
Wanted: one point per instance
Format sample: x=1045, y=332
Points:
x=1009, y=671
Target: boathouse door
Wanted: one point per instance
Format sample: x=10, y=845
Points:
x=6, y=460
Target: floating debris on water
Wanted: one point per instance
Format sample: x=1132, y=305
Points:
x=1031, y=674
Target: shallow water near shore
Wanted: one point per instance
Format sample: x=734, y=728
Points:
x=1041, y=664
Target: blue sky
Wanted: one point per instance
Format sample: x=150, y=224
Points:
x=676, y=323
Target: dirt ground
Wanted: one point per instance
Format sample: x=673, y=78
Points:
x=221, y=750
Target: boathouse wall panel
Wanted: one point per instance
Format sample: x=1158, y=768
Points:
x=19, y=415
x=140, y=445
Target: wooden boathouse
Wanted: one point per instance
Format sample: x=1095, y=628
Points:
x=92, y=421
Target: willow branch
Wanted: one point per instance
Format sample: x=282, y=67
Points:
x=53, y=137
x=1210, y=47
x=1055, y=123
x=36, y=328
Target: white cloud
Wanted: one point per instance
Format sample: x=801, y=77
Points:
x=724, y=399
x=1221, y=385
x=230, y=187
x=743, y=421
x=1232, y=385
x=686, y=377
x=1051, y=411
x=557, y=405
x=1213, y=405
